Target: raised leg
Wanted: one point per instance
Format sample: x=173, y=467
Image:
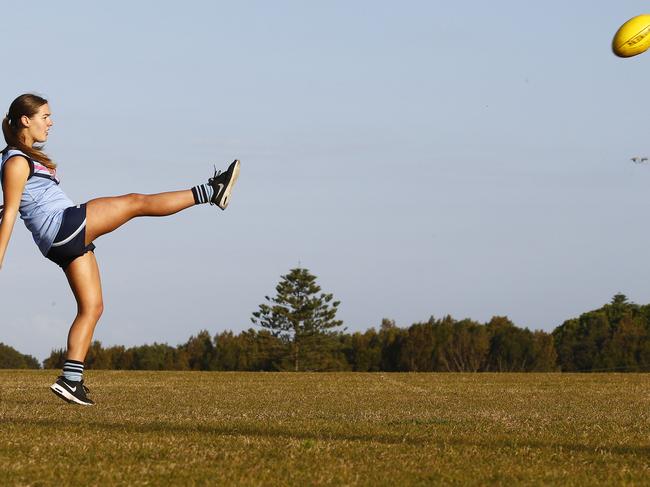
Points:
x=83, y=276
x=103, y=215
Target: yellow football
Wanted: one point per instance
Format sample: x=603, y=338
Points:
x=633, y=37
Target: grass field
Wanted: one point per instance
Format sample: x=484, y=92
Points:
x=207, y=428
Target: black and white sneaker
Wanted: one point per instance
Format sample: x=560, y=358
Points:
x=72, y=391
x=222, y=184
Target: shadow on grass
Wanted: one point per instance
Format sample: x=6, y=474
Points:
x=247, y=430
x=242, y=430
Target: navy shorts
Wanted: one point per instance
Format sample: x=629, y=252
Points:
x=69, y=243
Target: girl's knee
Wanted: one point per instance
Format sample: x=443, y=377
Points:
x=136, y=202
x=92, y=310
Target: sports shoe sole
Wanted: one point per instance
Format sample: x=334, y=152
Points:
x=66, y=396
x=225, y=199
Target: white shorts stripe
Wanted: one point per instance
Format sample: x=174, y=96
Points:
x=74, y=234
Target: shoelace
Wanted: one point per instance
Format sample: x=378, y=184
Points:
x=216, y=175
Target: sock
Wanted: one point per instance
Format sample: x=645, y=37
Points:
x=73, y=370
x=202, y=193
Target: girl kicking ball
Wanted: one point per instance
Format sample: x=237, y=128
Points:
x=65, y=232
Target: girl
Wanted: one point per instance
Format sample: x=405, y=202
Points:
x=64, y=232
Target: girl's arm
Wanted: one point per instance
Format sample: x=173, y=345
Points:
x=14, y=177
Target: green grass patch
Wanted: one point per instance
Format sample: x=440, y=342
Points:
x=216, y=428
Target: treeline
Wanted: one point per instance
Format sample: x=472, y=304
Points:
x=436, y=345
x=10, y=358
x=615, y=337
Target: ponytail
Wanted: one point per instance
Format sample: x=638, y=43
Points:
x=25, y=105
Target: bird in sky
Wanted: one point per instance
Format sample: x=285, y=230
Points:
x=639, y=160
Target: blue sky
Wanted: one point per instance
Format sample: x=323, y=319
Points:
x=420, y=158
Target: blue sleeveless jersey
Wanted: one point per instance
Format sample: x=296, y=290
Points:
x=42, y=202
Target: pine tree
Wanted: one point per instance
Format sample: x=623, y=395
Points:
x=304, y=320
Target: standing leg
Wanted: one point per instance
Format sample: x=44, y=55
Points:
x=83, y=276
x=84, y=280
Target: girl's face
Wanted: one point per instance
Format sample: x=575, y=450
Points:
x=37, y=127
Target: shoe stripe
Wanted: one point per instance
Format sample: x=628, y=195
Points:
x=59, y=391
x=62, y=392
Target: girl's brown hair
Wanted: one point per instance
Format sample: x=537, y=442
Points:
x=25, y=105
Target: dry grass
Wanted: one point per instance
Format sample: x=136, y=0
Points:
x=178, y=428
